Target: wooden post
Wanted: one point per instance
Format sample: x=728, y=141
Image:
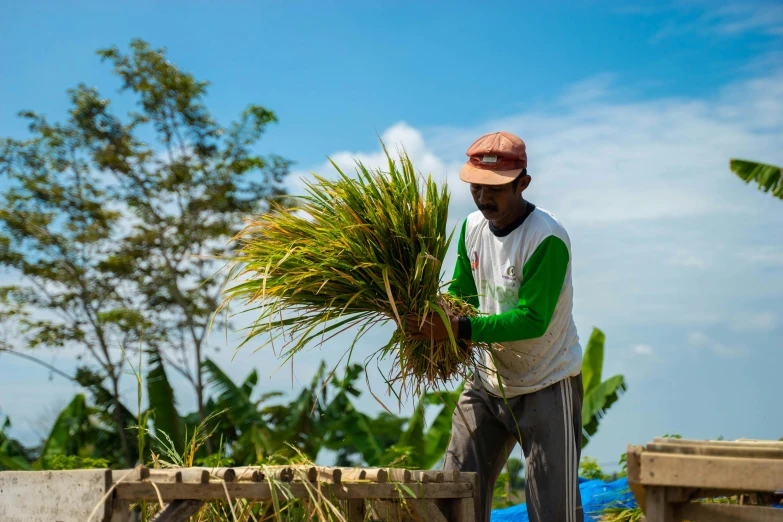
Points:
x=120, y=511
x=658, y=508
x=464, y=509
x=354, y=510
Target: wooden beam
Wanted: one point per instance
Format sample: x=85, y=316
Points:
x=658, y=508
x=130, y=475
x=399, y=475
x=178, y=511
x=262, y=491
x=425, y=510
x=46, y=496
x=224, y=474
x=354, y=510
x=120, y=511
x=427, y=476
x=464, y=510
x=658, y=469
x=633, y=464
x=369, y=474
x=726, y=443
x=251, y=473
x=717, y=450
x=706, y=512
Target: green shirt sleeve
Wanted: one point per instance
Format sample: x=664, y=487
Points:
x=542, y=280
x=463, y=285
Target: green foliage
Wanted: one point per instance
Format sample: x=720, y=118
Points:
x=769, y=178
x=510, y=481
x=598, y=396
x=13, y=455
x=75, y=462
x=161, y=400
x=589, y=469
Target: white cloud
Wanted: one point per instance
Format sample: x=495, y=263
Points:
x=742, y=17
x=703, y=342
x=688, y=260
x=589, y=90
x=755, y=322
x=720, y=17
x=643, y=349
x=697, y=339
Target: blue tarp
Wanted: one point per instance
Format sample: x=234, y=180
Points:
x=596, y=495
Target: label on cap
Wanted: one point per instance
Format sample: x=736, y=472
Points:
x=489, y=159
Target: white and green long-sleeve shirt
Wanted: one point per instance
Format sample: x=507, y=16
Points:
x=520, y=280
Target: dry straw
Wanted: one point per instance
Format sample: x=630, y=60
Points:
x=348, y=255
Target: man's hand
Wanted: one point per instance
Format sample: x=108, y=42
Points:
x=432, y=328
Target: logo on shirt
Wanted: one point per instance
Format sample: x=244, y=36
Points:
x=511, y=275
x=474, y=260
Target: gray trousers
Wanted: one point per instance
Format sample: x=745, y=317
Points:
x=550, y=424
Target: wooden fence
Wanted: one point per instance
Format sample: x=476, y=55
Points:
x=668, y=475
x=104, y=495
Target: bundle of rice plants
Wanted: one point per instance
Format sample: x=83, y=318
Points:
x=350, y=254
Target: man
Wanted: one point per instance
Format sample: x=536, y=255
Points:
x=514, y=265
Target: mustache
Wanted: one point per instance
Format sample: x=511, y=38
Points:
x=490, y=208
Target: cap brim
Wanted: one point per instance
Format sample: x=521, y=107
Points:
x=471, y=174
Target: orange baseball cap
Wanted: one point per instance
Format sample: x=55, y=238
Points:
x=495, y=159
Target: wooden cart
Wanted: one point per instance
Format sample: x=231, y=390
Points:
x=668, y=475
x=106, y=495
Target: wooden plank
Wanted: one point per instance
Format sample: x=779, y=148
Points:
x=47, y=496
x=251, y=473
x=333, y=475
x=262, y=491
x=451, y=475
x=121, y=511
x=165, y=475
x=748, y=443
x=464, y=510
x=633, y=465
x=198, y=475
x=354, y=510
x=425, y=510
x=369, y=474
x=716, y=450
x=178, y=511
x=658, y=469
x=427, y=476
x=281, y=473
x=399, y=475
x=224, y=474
x=658, y=508
x=130, y=475
x=389, y=511
x=706, y=512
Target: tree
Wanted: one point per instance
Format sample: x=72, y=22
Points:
x=768, y=177
x=598, y=396
x=187, y=197
x=56, y=234
x=127, y=231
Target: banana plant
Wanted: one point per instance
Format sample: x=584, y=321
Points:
x=768, y=177
x=598, y=396
x=13, y=455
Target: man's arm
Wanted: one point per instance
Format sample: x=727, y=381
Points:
x=542, y=280
x=463, y=285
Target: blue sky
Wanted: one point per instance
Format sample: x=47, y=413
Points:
x=630, y=112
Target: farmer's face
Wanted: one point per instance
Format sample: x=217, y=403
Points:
x=499, y=203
